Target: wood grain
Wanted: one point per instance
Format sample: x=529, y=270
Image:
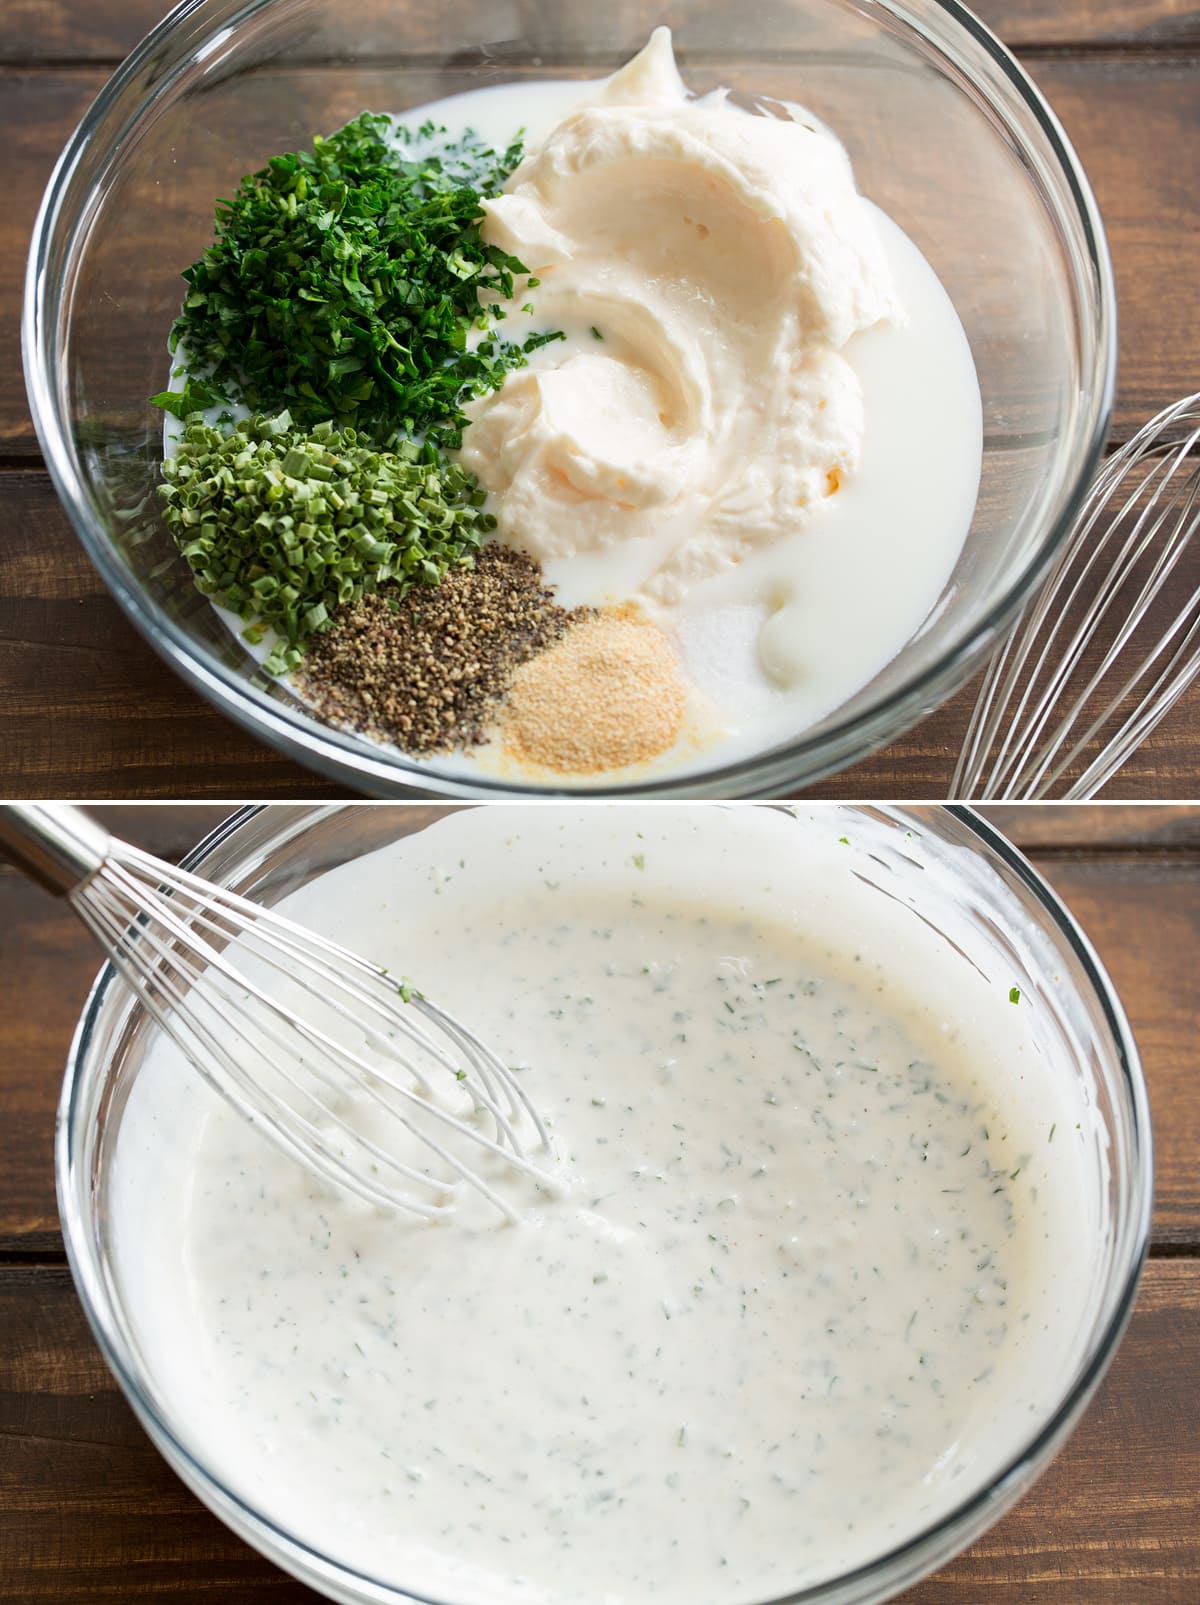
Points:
x=1143, y=182
x=1044, y=830
x=92, y=1512
x=87, y=709
x=1141, y=909
x=66, y=30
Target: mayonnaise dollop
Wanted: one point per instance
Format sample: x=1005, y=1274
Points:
x=719, y=260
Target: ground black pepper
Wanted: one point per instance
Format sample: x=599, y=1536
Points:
x=429, y=672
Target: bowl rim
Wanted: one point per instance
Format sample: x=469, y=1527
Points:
x=342, y=1582
x=339, y=755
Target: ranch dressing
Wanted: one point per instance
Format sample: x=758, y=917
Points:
x=807, y=1280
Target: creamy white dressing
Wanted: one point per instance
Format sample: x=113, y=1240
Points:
x=815, y=1268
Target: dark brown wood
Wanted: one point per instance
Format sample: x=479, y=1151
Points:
x=92, y=1512
x=1140, y=908
x=87, y=709
x=1043, y=830
x=65, y=30
x=1142, y=181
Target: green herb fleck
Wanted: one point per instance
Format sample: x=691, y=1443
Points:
x=1014, y=994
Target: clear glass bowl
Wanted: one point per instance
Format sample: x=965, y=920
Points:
x=946, y=133
x=965, y=877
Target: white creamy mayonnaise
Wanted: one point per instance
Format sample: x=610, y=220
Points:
x=720, y=261
x=815, y=1268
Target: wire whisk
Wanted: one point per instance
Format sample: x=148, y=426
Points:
x=1104, y=652
x=349, y=1069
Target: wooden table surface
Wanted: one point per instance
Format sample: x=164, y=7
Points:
x=88, y=1510
x=86, y=708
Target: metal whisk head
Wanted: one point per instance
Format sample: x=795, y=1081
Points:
x=347, y=1068
x=1103, y=652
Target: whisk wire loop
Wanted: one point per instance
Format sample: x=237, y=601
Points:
x=487, y=1078
x=292, y=1074
x=1051, y=701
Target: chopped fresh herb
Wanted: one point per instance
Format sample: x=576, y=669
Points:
x=845, y=840
x=596, y=335
x=343, y=282
x=1053, y=1129
x=196, y=396
x=283, y=525
x=1014, y=994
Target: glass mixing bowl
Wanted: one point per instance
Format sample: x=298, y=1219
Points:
x=956, y=875
x=945, y=131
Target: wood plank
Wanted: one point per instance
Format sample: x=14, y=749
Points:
x=1141, y=911
x=1151, y=218
x=73, y=30
x=1033, y=24
x=1147, y=201
x=37, y=113
x=1042, y=829
x=92, y=1513
x=1142, y=914
x=89, y=710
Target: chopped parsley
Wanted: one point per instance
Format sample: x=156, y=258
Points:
x=1014, y=994
x=196, y=396
x=344, y=280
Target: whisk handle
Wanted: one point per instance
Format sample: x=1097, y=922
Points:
x=56, y=845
